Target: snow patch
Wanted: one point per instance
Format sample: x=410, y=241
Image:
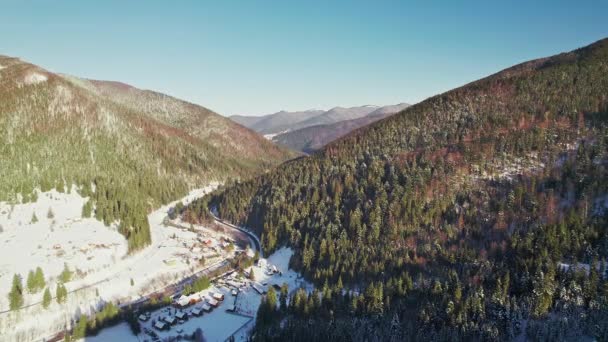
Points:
x=34, y=78
x=272, y=135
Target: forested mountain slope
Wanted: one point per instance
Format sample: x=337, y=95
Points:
x=129, y=149
x=454, y=220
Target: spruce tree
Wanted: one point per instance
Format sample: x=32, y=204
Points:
x=39, y=278
x=15, y=297
x=46, y=298
x=61, y=293
x=66, y=274
x=34, y=218
x=87, y=209
x=31, y=282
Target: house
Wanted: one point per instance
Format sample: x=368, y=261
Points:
x=261, y=290
x=197, y=312
x=213, y=302
x=194, y=298
x=170, y=320
x=183, y=301
x=160, y=325
x=206, y=307
x=217, y=296
x=181, y=315
x=233, y=283
x=143, y=318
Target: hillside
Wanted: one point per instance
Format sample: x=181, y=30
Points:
x=312, y=138
x=464, y=217
x=246, y=121
x=128, y=149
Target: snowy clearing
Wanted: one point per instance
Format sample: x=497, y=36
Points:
x=97, y=254
x=59, y=236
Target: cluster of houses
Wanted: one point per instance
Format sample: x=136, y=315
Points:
x=211, y=300
x=204, y=246
x=199, y=303
x=180, y=313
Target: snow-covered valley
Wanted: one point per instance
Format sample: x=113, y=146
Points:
x=51, y=233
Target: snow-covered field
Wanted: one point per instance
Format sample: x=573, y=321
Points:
x=219, y=324
x=97, y=254
x=60, y=236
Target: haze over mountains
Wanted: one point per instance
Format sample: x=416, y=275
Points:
x=309, y=130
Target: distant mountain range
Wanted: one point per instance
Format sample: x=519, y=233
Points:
x=309, y=130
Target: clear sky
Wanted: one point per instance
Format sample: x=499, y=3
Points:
x=257, y=57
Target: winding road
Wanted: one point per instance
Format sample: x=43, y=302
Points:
x=254, y=240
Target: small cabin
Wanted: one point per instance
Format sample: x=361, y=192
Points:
x=183, y=301
x=259, y=289
x=160, y=325
x=181, y=315
x=197, y=312
x=213, y=302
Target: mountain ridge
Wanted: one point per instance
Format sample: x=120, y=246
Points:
x=60, y=130
x=461, y=210
x=312, y=138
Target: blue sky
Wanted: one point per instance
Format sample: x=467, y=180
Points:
x=257, y=57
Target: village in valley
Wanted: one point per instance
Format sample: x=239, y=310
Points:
x=208, y=278
x=225, y=309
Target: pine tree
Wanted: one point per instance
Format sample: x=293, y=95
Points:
x=15, y=297
x=61, y=293
x=66, y=274
x=31, y=282
x=46, y=298
x=50, y=215
x=283, y=297
x=87, y=209
x=80, y=329
x=39, y=278
x=34, y=218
